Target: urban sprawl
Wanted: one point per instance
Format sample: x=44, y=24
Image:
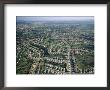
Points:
x=55, y=47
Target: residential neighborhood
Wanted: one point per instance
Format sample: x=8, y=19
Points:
x=55, y=47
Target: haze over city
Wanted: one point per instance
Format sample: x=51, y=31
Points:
x=54, y=18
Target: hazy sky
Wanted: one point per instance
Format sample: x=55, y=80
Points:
x=53, y=18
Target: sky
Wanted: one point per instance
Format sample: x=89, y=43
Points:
x=54, y=18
